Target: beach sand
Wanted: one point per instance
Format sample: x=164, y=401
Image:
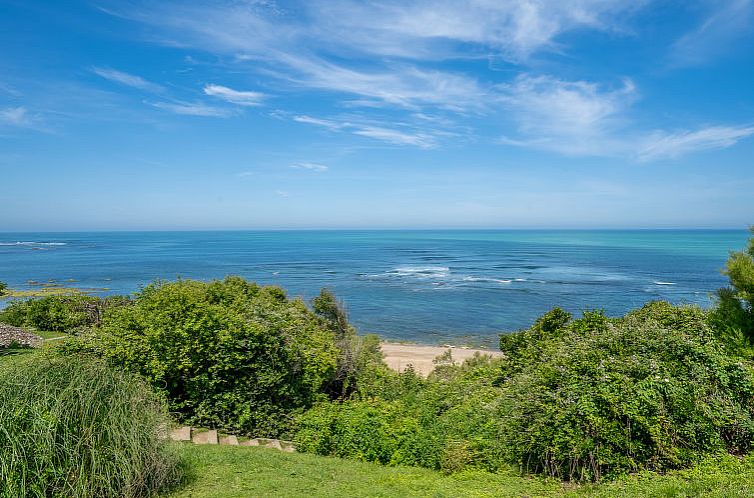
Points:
x=400, y=356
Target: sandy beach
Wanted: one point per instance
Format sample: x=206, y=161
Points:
x=399, y=356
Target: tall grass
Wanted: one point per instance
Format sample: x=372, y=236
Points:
x=73, y=427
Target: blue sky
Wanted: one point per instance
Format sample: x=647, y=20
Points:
x=397, y=113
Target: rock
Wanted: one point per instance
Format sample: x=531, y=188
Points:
x=207, y=437
x=181, y=434
x=250, y=442
x=10, y=335
x=229, y=440
x=274, y=443
x=288, y=446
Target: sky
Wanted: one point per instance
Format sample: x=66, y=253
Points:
x=136, y=115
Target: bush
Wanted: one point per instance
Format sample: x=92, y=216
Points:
x=58, y=313
x=578, y=399
x=228, y=354
x=447, y=422
x=638, y=394
x=3, y=288
x=74, y=427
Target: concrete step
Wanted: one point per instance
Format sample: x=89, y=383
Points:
x=206, y=437
x=181, y=434
x=229, y=440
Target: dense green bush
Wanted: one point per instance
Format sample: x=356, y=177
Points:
x=637, y=395
x=58, y=313
x=445, y=422
x=74, y=427
x=578, y=399
x=228, y=354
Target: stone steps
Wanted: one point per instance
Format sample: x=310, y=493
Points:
x=210, y=436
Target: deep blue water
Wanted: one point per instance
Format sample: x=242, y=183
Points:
x=426, y=286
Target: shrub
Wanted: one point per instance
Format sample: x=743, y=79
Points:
x=578, y=399
x=3, y=288
x=58, y=313
x=74, y=427
x=228, y=354
x=446, y=422
x=733, y=316
x=630, y=395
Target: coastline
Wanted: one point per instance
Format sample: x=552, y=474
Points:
x=399, y=356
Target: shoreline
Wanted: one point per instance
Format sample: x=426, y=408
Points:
x=399, y=356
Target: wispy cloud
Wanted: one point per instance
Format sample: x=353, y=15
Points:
x=319, y=168
x=326, y=123
x=245, y=174
x=397, y=137
x=385, y=57
x=423, y=29
x=573, y=117
x=727, y=22
x=128, y=79
x=672, y=145
x=424, y=139
x=282, y=193
x=238, y=97
x=194, y=109
x=16, y=116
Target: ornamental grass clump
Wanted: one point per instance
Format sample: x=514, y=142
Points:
x=75, y=427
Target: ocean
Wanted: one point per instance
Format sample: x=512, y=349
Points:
x=427, y=286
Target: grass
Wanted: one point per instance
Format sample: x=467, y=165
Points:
x=74, y=427
x=225, y=472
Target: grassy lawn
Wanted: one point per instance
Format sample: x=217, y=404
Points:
x=222, y=471
x=226, y=471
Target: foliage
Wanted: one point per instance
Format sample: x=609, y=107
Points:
x=578, y=399
x=636, y=395
x=228, y=354
x=58, y=313
x=733, y=317
x=3, y=287
x=358, y=356
x=446, y=422
x=75, y=428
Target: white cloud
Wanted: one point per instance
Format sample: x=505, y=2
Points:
x=573, y=117
x=16, y=116
x=428, y=28
x=399, y=85
x=128, y=79
x=194, y=109
x=424, y=139
x=319, y=168
x=244, y=98
x=245, y=174
x=282, y=193
x=327, y=123
x=381, y=57
x=396, y=137
x=672, y=145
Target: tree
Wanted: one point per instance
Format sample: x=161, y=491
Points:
x=734, y=313
x=3, y=287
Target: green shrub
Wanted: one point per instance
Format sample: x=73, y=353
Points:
x=3, y=288
x=228, y=354
x=58, y=313
x=74, y=427
x=578, y=399
x=446, y=422
x=633, y=394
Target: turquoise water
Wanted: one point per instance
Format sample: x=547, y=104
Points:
x=428, y=286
